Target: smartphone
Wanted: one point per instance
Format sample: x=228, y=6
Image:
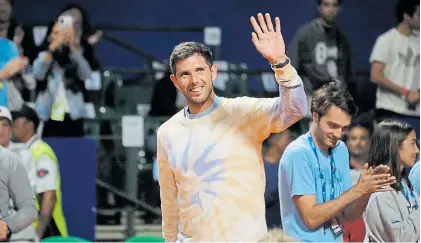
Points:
x=65, y=20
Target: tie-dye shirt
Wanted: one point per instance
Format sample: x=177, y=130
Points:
x=211, y=171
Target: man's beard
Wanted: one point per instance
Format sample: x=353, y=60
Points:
x=329, y=21
x=200, y=102
x=4, y=18
x=4, y=25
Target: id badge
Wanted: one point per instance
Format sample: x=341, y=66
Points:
x=58, y=112
x=336, y=228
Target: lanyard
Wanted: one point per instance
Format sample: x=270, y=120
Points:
x=333, y=171
x=405, y=190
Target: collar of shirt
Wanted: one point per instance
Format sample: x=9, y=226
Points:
x=31, y=141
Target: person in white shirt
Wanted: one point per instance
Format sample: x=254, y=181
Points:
x=28, y=162
x=51, y=220
x=395, y=67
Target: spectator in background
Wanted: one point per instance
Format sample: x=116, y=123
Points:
x=14, y=187
x=394, y=216
x=26, y=160
x=320, y=49
x=51, y=220
x=10, y=29
x=63, y=67
x=20, y=84
x=395, y=67
x=357, y=141
x=161, y=106
x=11, y=64
x=414, y=177
x=277, y=143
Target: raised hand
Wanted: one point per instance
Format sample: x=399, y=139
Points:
x=377, y=180
x=267, y=39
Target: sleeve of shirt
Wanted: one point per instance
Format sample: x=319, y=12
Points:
x=380, y=50
x=346, y=176
x=168, y=193
x=298, y=173
x=385, y=221
x=14, y=51
x=22, y=196
x=40, y=66
x=46, y=175
x=30, y=166
x=273, y=115
x=84, y=69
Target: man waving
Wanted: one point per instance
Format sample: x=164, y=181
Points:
x=209, y=154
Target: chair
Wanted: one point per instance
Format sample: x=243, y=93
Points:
x=145, y=238
x=64, y=239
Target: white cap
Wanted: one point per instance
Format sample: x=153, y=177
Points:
x=5, y=113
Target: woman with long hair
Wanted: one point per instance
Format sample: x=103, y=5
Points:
x=394, y=216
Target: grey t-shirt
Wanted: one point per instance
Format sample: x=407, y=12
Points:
x=14, y=184
x=390, y=217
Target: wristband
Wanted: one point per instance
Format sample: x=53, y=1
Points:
x=404, y=92
x=280, y=65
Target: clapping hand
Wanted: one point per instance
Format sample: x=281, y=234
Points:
x=267, y=39
x=375, y=180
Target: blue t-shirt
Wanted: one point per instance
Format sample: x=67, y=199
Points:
x=155, y=170
x=414, y=177
x=299, y=174
x=8, y=51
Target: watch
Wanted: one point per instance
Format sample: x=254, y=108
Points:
x=281, y=64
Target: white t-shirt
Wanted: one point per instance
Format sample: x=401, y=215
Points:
x=401, y=56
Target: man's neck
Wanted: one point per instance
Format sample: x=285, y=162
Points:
x=196, y=109
x=27, y=138
x=3, y=29
x=323, y=23
x=318, y=143
x=272, y=156
x=404, y=29
x=358, y=162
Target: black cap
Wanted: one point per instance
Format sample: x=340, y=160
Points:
x=28, y=113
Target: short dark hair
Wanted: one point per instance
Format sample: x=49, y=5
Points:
x=364, y=120
x=333, y=93
x=405, y=7
x=185, y=50
x=384, y=148
x=319, y=2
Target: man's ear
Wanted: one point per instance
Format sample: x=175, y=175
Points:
x=214, y=71
x=174, y=81
x=315, y=116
